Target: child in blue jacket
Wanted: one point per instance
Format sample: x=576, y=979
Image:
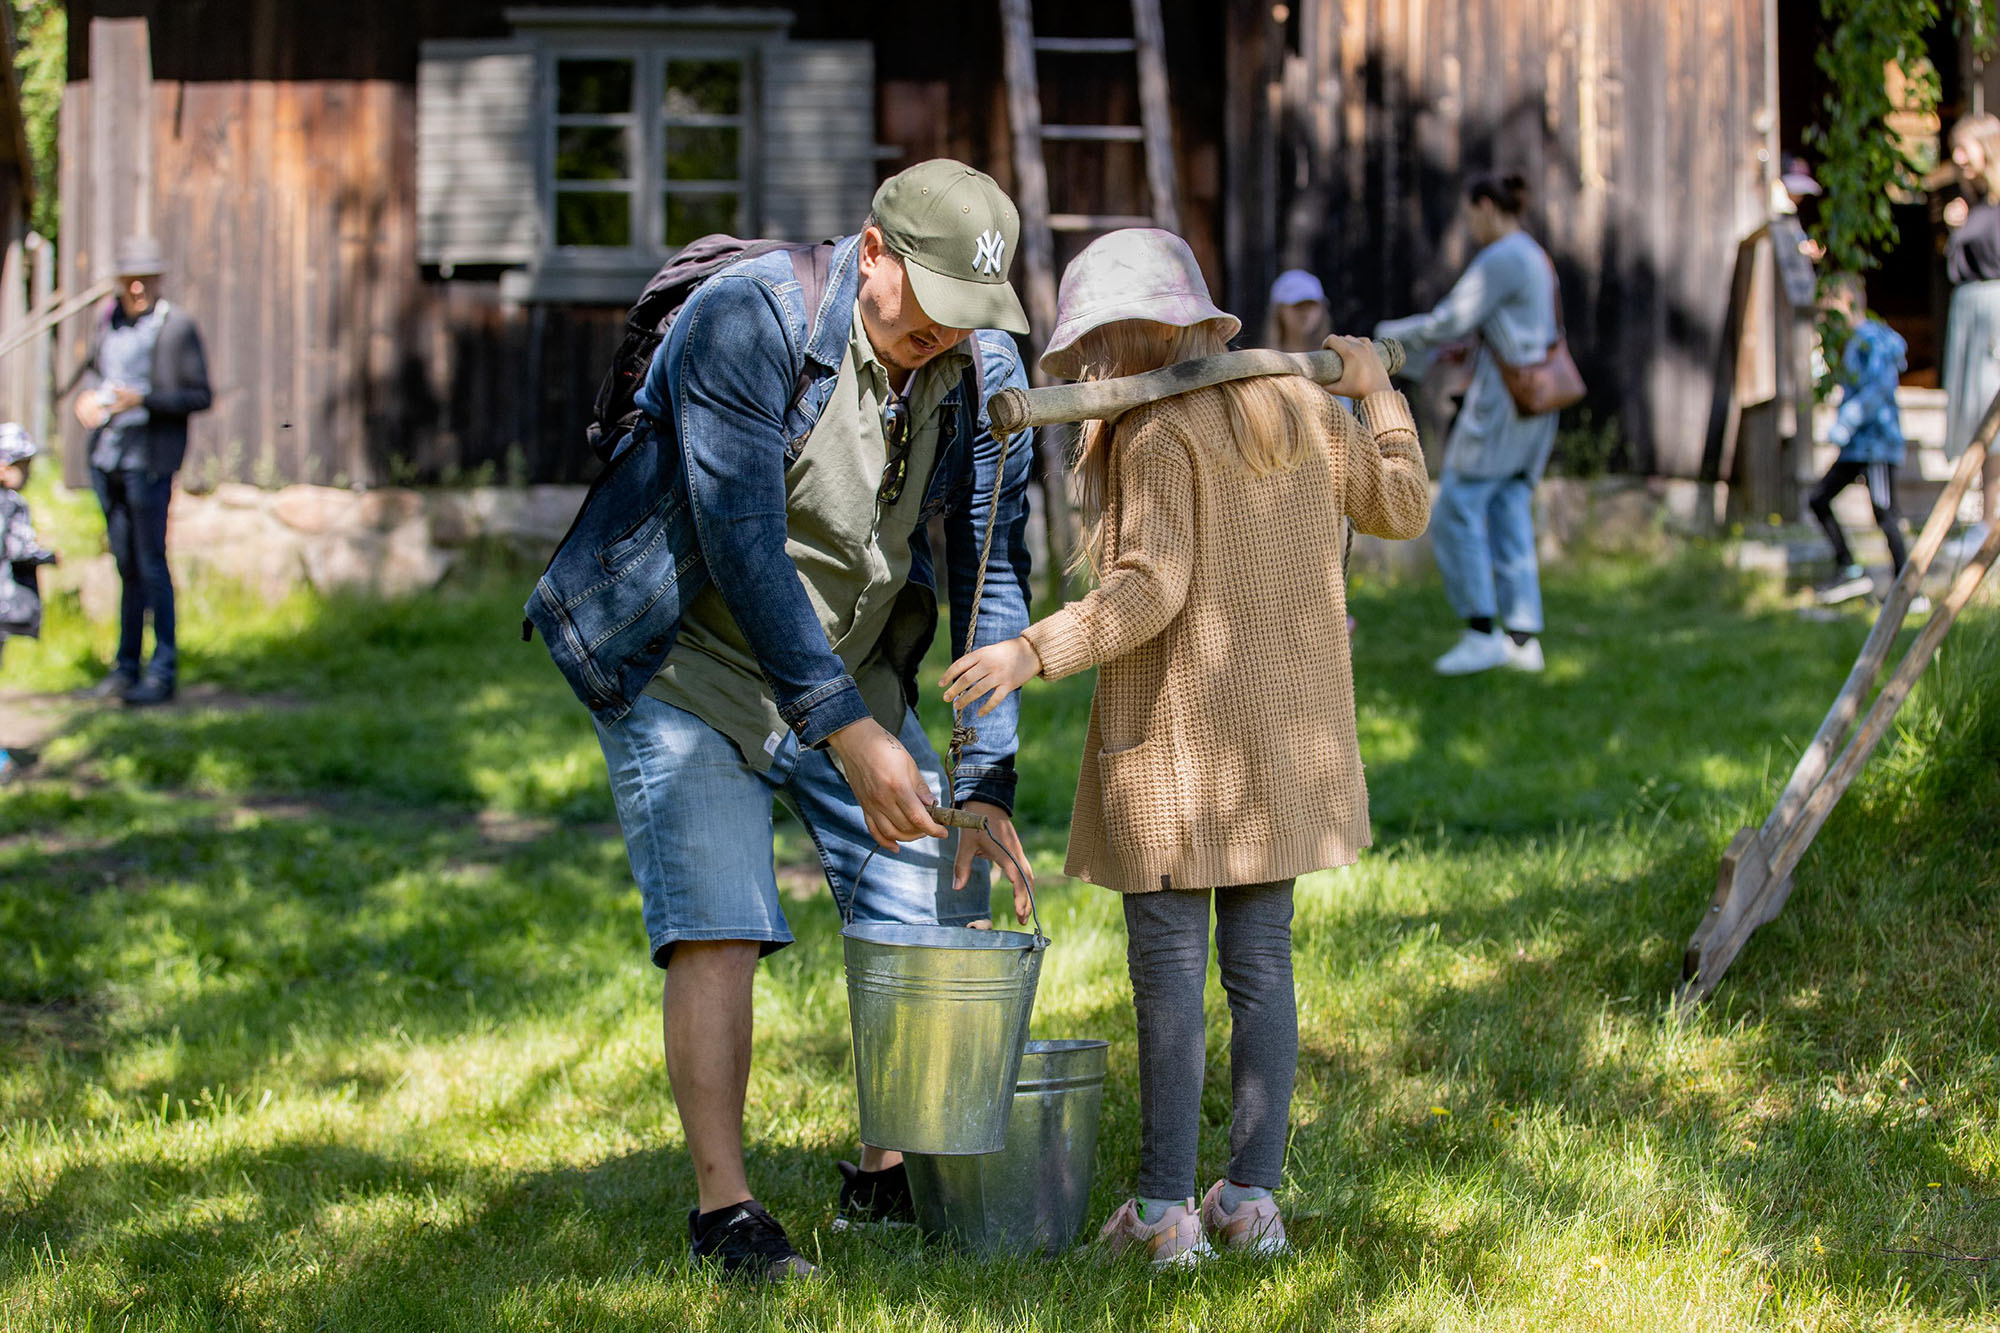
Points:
x=1869, y=431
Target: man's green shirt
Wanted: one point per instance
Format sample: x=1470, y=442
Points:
x=852, y=553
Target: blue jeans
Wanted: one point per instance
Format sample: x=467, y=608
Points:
x=697, y=823
x=1483, y=533
x=135, y=517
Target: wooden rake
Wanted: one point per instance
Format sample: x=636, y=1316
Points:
x=1756, y=875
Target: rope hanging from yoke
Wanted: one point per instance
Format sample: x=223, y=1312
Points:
x=961, y=734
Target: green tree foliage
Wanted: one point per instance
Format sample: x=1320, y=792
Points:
x=1978, y=21
x=1861, y=161
x=41, y=62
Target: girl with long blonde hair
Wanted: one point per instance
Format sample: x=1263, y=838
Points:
x=1221, y=760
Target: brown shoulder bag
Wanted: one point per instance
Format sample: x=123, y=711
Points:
x=1552, y=383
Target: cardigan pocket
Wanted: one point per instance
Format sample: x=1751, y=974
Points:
x=1143, y=812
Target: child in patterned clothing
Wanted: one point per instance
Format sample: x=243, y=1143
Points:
x=1869, y=432
x=20, y=553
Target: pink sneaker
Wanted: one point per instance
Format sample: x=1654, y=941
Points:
x=1174, y=1241
x=1255, y=1226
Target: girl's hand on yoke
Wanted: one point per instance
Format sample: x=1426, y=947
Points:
x=1361, y=370
x=995, y=671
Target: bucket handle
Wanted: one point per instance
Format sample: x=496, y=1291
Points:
x=958, y=819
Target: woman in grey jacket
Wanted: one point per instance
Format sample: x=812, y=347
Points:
x=1482, y=524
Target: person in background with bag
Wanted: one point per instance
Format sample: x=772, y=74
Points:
x=1482, y=524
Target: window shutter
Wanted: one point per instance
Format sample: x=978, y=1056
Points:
x=819, y=139
x=477, y=154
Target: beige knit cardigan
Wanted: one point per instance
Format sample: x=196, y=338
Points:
x=1221, y=748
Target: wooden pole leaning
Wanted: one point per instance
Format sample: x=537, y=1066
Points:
x=1756, y=873
x=1014, y=410
x=41, y=321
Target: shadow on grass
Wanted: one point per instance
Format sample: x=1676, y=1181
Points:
x=236, y=935
x=375, y=1238
x=1506, y=956
x=426, y=700
x=1789, y=1122
x=1669, y=683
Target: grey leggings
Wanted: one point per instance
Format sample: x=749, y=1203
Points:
x=1167, y=951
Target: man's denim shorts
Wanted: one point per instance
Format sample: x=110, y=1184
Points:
x=698, y=829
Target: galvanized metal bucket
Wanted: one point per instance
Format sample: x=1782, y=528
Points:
x=940, y=1016
x=1031, y=1197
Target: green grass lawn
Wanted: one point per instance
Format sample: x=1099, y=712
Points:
x=324, y=1003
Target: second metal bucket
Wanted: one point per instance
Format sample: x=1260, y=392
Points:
x=940, y=1016
x=1031, y=1196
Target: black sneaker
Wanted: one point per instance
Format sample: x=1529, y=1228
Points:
x=874, y=1198
x=148, y=693
x=747, y=1243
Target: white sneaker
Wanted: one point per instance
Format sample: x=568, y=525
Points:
x=1524, y=656
x=1173, y=1240
x=1473, y=652
x=1844, y=588
x=1920, y=605
x=1255, y=1227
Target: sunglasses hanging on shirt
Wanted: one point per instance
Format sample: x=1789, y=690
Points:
x=895, y=434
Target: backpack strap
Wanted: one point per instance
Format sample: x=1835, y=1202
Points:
x=812, y=266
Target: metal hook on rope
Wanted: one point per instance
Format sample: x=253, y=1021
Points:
x=959, y=819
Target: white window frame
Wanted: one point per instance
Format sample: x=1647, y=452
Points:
x=650, y=39
x=553, y=122
x=749, y=140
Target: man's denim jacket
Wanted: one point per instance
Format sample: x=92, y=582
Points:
x=698, y=495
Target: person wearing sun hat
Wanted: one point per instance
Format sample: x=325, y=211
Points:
x=766, y=620
x=1221, y=760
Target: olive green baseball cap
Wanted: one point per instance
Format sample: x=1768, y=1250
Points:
x=956, y=231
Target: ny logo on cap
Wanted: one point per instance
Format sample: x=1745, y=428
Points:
x=988, y=259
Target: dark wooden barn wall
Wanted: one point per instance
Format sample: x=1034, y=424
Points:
x=290, y=207
x=287, y=213
x=283, y=147
x=1355, y=124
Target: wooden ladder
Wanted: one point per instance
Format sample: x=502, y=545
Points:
x=1756, y=875
x=1154, y=132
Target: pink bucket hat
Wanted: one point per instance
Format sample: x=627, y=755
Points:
x=1137, y=273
